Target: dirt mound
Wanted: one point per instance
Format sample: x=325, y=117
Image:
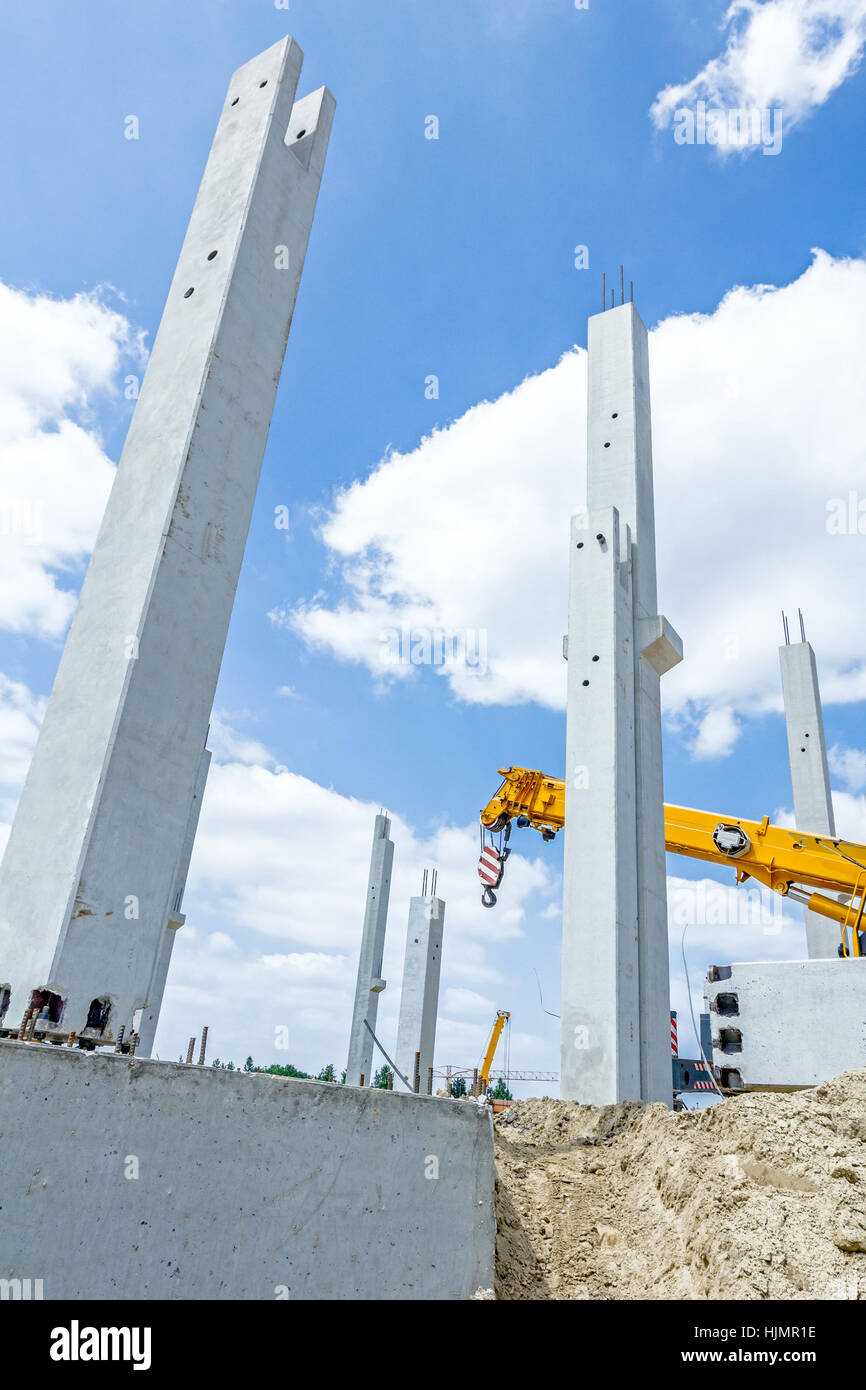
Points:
x=761, y=1196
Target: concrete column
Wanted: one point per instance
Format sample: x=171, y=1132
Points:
x=615, y=1040
x=370, y=983
x=88, y=878
x=810, y=775
x=419, y=999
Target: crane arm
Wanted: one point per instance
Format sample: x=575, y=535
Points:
x=502, y=1018
x=787, y=861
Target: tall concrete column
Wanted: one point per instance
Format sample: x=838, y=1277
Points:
x=615, y=1039
x=810, y=775
x=419, y=999
x=89, y=874
x=370, y=983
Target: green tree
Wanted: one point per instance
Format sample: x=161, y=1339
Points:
x=500, y=1091
x=287, y=1070
x=327, y=1073
x=458, y=1086
x=380, y=1079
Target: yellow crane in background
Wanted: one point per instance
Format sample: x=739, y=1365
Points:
x=790, y=862
x=502, y=1017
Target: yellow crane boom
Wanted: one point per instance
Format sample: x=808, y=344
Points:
x=787, y=861
x=502, y=1017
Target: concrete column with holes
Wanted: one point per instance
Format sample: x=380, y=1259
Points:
x=810, y=775
x=419, y=997
x=90, y=872
x=615, y=1038
x=370, y=983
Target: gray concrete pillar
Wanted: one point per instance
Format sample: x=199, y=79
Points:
x=810, y=775
x=615, y=1038
x=370, y=983
x=88, y=877
x=419, y=999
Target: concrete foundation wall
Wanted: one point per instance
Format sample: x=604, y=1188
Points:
x=248, y=1187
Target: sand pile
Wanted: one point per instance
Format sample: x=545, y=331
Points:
x=761, y=1196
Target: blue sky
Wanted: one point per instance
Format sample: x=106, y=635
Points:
x=454, y=257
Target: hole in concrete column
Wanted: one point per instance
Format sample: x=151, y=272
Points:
x=595, y=658
x=236, y=100
x=211, y=255
x=189, y=291
x=580, y=545
x=300, y=135
x=586, y=682
x=98, y=1014
x=614, y=415
x=728, y=1004
x=607, y=444
x=264, y=84
x=802, y=750
x=48, y=1006
x=730, y=1078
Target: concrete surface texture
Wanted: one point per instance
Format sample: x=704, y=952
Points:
x=370, y=984
x=615, y=1042
x=810, y=775
x=419, y=998
x=141, y=1179
x=788, y=1023
x=92, y=868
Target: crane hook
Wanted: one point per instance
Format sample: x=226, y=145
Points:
x=488, y=898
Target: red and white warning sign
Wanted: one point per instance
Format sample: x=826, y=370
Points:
x=490, y=867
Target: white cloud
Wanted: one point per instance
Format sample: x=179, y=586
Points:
x=849, y=814
x=849, y=765
x=56, y=358
x=717, y=733
x=788, y=54
x=449, y=537
x=20, y=716
x=752, y=448
x=228, y=745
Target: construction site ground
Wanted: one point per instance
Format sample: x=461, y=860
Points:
x=762, y=1196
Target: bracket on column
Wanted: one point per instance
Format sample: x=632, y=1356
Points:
x=659, y=643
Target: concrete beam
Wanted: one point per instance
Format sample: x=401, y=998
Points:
x=615, y=1041
x=810, y=774
x=370, y=984
x=89, y=873
x=419, y=998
